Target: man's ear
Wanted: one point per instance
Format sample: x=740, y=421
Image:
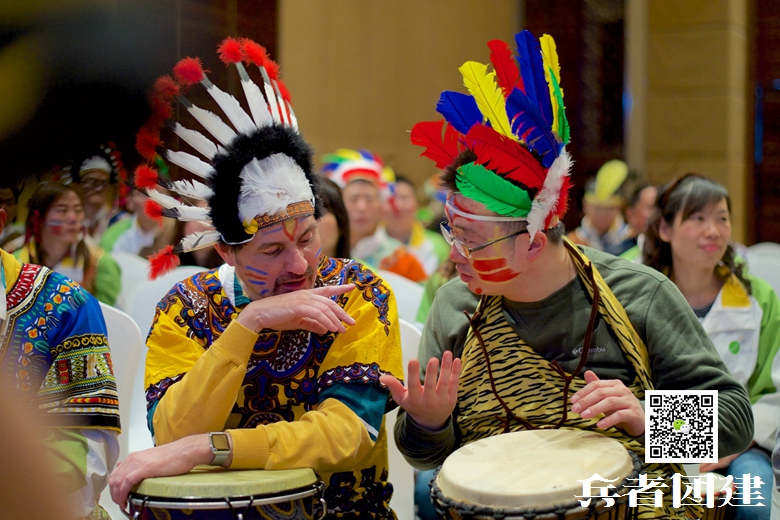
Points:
x=3, y=218
x=227, y=255
x=536, y=246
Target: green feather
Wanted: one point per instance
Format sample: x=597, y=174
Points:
x=563, y=123
x=497, y=194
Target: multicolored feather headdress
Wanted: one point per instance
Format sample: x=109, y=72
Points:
x=345, y=165
x=513, y=119
x=254, y=170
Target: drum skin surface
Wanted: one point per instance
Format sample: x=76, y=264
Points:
x=532, y=474
x=215, y=493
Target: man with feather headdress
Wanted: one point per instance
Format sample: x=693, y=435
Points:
x=554, y=335
x=278, y=352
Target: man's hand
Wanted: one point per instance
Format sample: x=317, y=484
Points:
x=176, y=458
x=722, y=463
x=429, y=404
x=310, y=309
x=612, y=398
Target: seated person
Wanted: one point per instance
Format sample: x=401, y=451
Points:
x=12, y=236
x=603, y=227
x=613, y=329
x=55, y=238
x=56, y=358
x=402, y=224
x=280, y=350
x=689, y=240
x=363, y=180
x=138, y=234
x=640, y=208
x=334, y=222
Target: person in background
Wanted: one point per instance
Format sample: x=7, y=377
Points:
x=56, y=363
x=364, y=183
x=139, y=234
x=603, y=227
x=334, y=222
x=640, y=208
x=401, y=223
x=97, y=177
x=55, y=238
x=689, y=240
x=12, y=236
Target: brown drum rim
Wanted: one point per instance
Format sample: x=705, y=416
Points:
x=473, y=510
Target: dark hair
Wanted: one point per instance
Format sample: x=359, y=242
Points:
x=684, y=196
x=227, y=183
x=637, y=193
x=401, y=179
x=333, y=203
x=15, y=186
x=45, y=196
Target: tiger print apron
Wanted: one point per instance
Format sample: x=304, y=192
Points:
x=518, y=389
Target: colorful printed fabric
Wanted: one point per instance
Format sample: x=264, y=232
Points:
x=289, y=373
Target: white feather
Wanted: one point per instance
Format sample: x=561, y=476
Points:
x=232, y=109
x=198, y=240
x=163, y=200
x=547, y=199
x=190, y=213
x=269, y=93
x=270, y=185
x=257, y=104
x=293, y=119
x=190, y=163
x=192, y=189
x=200, y=142
x=211, y=122
x=281, y=104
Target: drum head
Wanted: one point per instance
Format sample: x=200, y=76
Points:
x=211, y=482
x=537, y=468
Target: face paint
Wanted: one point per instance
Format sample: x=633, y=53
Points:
x=256, y=276
x=290, y=228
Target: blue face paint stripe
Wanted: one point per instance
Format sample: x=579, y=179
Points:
x=250, y=268
x=276, y=229
x=264, y=292
x=256, y=282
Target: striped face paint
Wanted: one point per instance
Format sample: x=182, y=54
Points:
x=256, y=276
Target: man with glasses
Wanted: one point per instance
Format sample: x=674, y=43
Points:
x=536, y=332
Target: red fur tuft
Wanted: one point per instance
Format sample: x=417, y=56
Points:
x=145, y=178
x=162, y=261
x=229, y=51
x=154, y=211
x=162, y=110
x=166, y=87
x=283, y=90
x=254, y=52
x=189, y=71
x=271, y=68
x=146, y=141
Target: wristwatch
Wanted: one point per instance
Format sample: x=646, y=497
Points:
x=220, y=447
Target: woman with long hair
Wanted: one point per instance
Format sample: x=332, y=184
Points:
x=689, y=240
x=334, y=223
x=55, y=238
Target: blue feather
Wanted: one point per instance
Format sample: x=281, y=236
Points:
x=525, y=116
x=529, y=59
x=366, y=154
x=460, y=110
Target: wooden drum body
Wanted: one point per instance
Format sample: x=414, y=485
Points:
x=214, y=493
x=533, y=475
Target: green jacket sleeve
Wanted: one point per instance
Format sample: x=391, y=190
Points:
x=108, y=280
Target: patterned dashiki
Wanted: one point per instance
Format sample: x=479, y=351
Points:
x=289, y=371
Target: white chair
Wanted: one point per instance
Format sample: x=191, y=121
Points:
x=127, y=345
x=767, y=268
x=134, y=268
x=408, y=294
x=401, y=473
x=763, y=249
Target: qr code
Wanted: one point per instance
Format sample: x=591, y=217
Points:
x=681, y=426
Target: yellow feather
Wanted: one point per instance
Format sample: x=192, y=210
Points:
x=490, y=100
x=551, y=65
x=349, y=154
x=609, y=179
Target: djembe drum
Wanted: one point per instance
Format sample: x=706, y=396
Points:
x=213, y=493
x=534, y=475
x=719, y=511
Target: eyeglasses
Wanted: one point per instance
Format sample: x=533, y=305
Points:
x=465, y=250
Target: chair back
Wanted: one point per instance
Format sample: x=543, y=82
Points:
x=134, y=268
x=408, y=294
x=401, y=473
x=767, y=268
x=763, y=249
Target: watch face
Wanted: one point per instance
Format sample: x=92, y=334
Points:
x=220, y=441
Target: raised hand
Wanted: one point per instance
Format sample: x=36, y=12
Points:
x=430, y=404
x=310, y=309
x=612, y=398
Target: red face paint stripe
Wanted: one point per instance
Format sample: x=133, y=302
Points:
x=499, y=276
x=485, y=266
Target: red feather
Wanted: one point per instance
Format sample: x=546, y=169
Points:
x=162, y=110
x=154, y=211
x=162, y=261
x=146, y=178
x=146, y=141
x=166, y=87
x=563, y=198
x=283, y=90
x=189, y=71
x=441, y=143
x=229, y=51
x=254, y=52
x=505, y=156
x=271, y=68
x=507, y=73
